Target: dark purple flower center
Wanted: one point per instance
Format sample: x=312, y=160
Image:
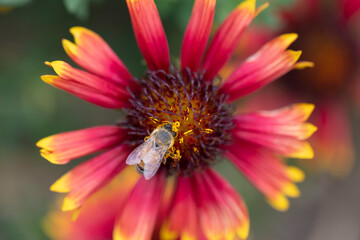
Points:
x=205, y=118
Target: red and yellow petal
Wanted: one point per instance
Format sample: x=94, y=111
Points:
x=103, y=86
x=197, y=34
x=288, y=121
x=282, y=131
x=149, y=33
x=222, y=212
x=104, y=205
x=286, y=146
x=84, y=92
x=138, y=217
x=182, y=221
x=64, y=147
x=90, y=176
x=333, y=142
x=269, y=63
x=227, y=38
x=92, y=53
x=267, y=173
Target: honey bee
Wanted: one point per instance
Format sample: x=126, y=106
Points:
x=148, y=156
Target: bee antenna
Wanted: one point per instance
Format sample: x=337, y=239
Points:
x=169, y=119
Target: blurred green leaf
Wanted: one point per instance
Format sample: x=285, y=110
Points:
x=80, y=8
x=13, y=3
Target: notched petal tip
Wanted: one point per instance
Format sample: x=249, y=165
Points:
x=44, y=142
x=306, y=109
x=47, y=154
x=295, y=55
x=69, y=47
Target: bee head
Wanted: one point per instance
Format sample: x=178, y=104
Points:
x=173, y=128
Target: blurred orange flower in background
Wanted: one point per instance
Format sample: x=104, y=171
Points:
x=329, y=38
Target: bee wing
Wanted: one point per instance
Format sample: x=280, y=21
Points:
x=138, y=153
x=153, y=160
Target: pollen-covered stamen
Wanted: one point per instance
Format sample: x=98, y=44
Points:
x=205, y=120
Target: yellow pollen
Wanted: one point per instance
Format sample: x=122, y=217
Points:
x=196, y=150
x=188, y=132
x=154, y=120
x=208, y=130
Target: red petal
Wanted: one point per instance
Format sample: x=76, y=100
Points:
x=222, y=212
x=137, y=219
x=149, y=33
x=105, y=205
x=197, y=34
x=90, y=176
x=64, y=147
x=182, y=220
x=282, y=131
x=84, y=92
x=266, y=65
x=103, y=86
x=266, y=171
x=92, y=53
x=227, y=38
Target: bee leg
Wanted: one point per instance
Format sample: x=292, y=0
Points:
x=164, y=159
x=175, y=156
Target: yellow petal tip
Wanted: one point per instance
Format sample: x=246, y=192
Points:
x=279, y=202
x=291, y=190
x=250, y=5
x=243, y=230
x=186, y=236
x=166, y=233
x=295, y=174
x=294, y=54
x=288, y=38
x=305, y=152
x=69, y=204
x=303, y=64
x=61, y=186
x=306, y=109
x=49, y=79
x=310, y=129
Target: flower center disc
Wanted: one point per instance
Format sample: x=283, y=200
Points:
x=205, y=120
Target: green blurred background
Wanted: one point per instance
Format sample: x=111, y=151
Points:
x=31, y=33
